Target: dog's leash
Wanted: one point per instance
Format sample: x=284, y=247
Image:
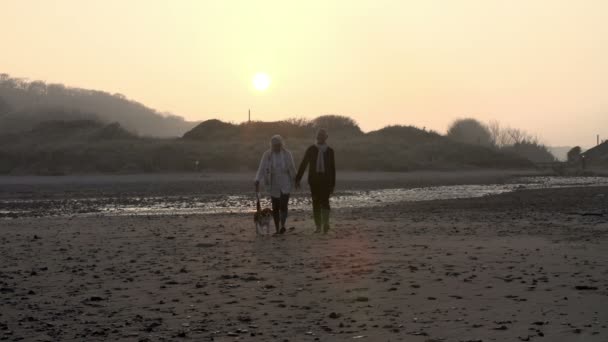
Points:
x=258, y=206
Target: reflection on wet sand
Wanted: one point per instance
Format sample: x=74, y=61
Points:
x=241, y=203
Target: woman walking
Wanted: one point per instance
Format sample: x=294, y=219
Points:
x=277, y=170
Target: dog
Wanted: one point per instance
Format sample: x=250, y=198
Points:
x=262, y=219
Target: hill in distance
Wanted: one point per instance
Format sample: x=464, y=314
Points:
x=53, y=129
x=24, y=104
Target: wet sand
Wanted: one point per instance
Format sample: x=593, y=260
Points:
x=78, y=186
x=525, y=266
x=154, y=194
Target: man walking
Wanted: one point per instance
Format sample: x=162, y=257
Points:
x=321, y=178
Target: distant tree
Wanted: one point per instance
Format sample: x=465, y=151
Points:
x=21, y=83
x=574, y=154
x=532, y=151
x=518, y=136
x=56, y=90
x=498, y=135
x=300, y=122
x=337, y=124
x=37, y=88
x=470, y=131
x=519, y=142
x=507, y=136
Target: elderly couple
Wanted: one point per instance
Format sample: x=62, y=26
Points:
x=278, y=172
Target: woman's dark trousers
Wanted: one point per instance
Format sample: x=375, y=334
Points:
x=279, y=210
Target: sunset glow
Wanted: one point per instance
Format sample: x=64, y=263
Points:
x=422, y=63
x=261, y=81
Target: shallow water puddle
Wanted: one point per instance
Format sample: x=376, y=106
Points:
x=235, y=203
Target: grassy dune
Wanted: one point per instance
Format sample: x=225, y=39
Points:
x=67, y=147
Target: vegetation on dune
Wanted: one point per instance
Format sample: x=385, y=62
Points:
x=85, y=146
x=294, y=128
x=506, y=139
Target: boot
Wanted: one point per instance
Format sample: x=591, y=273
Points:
x=277, y=221
x=325, y=216
x=283, y=221
x=318, y=219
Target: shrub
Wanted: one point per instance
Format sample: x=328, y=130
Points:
x=470, y=131
x=574, y=155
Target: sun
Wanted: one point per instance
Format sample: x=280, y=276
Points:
x=261, y=81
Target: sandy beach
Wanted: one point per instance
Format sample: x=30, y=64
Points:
x=530, y=265
x=460, y=148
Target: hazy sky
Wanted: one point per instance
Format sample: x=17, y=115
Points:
x=541, y=65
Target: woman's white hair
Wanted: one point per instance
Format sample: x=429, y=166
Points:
x=277, y=139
